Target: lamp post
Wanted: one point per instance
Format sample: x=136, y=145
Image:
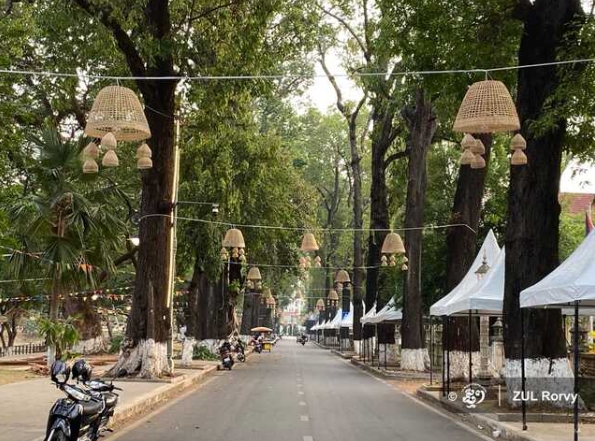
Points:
x=343, y=281
x=320, y=308
x=332, y=303
x=254, y=285
x=233, y=255
x=484, y=334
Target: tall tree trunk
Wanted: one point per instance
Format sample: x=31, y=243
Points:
x=533, y=211
x=421, y=122
x=149, y=327
x=461, y=248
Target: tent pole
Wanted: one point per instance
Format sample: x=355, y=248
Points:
x=385, y=356
x=523, y=388
x=576, y=368
x=443, y=356
x=431, y=349
x=448, y=356
x=470, y=347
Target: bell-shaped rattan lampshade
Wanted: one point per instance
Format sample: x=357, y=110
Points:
x=342, y=277
x=518, y=158
x=144, y=151
x=91, y=150
x=144, y=163
x=234, y=239
x=478, y=162
x=332, y=295
x=320, y=305
x=110, y=159
x=117, y=109
x=254, y=274
x=467, y=157
x=468, y=141
x=518, y=142
x=90, y=166
x=309, y=243
x=109, y=142
x=393, y=244
x=487, y=108
x=478, y=148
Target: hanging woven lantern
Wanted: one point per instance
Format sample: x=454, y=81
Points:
x=404, y=259
x=224, y=254
x=234, y=239
x=383, y=261
x=117, y=109
x=518, y=158
x=468, y=141
x=518, y=142
x=392, y=261
x=91, y=150
x=110, y=159
x=393, y=244
x=478, y=148
x=309, y=243
x=342, y=277
x=254, y=274
x=108, y=142
x=404, y=267
x=332, y=295
x=487, y=108
x=320, y=305
x=478, y=162
x=317, y=262
x=144, y=151
x=467, y=157
x=90, y=166
x=144, y=163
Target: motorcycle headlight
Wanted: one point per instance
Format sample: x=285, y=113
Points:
x=76, y=394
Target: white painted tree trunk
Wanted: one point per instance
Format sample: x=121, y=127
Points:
x=459, y=365
x=415, y=359
x=346, y=344
x=389, y=354
x=188, y=350
x=51, y=355
x=148, y=358
x=543, y=378
x=357, y=347
x=91, y=346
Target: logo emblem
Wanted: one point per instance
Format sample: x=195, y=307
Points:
x=473, y=395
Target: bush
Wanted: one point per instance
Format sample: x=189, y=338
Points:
x=60, y=334
x=203, y=353
x=115, y=344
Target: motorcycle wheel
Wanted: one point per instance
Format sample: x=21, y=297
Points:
x=241, y=357
x=57, y=435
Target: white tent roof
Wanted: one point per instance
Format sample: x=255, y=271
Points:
x=388, y=313
x=347, y=322
x=573, y=280
x=491, y=250
x=336, y=321
x=368, y=315
x=487, y=296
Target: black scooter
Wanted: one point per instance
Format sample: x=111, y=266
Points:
x=226, y=356
x=84, y=413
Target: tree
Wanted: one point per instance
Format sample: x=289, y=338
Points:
x=532, y=234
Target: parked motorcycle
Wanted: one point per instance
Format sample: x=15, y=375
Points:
x=302, y=339
x=84, y=413
x=226, y=356
x=239, y=349
x=257, y=346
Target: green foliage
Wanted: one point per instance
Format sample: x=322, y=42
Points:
x=115, y=344
x=201, y=352
x=61, y=334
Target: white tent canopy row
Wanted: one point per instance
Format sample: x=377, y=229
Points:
x=490, y=251
x=365, y=319
x=389, y=313
x=573, y=281
x=335, y=323
x=347, y=322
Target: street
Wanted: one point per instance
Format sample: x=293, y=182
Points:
x=295, y=393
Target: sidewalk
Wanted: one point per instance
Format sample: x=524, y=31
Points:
x=24, y=406
x=491, y=426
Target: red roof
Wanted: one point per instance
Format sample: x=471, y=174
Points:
x=574, y=203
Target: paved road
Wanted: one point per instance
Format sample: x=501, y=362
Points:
x=296, y=393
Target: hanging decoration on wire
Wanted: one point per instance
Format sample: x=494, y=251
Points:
x=116, y=115
x=488, y=108
x=393, y=252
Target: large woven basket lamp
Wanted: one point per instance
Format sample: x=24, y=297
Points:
x=320, y=305
x=488, y=108
x=116, y=115
x=333, y=298
x=234, y=245
x=393, y=250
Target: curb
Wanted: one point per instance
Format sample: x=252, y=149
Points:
x=482, y=423
x=343, y=354
x=401, y=375
x=168, y=390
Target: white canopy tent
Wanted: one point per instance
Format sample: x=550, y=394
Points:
x=347, y=322
x=335, y=323
x=365, y=319
x=490, y=250
x=388, y=313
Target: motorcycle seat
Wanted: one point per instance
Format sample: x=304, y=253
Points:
x=110, y=399
x=90, y=407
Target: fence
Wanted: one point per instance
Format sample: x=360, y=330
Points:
x=30, y=348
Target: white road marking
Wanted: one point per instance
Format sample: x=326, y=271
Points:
x=304, y=418
x=308, y=438
x=301, y=392
x=302, y=403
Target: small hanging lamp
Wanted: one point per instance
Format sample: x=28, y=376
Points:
x=384, y=260
x=90, y=166
x=404, y=267
x=320, y=305
x=254, y=274
x=487, y=108
x=393, y=244
x=91, y=150
x=478, y=148
x=467, y=157
x=518, y=158
x=110, y=159
x=517, y=145
x=468, y=141
x=478, y=162
x=309, y=243
x=317, y=262
x=144, y=163
x=144, y=151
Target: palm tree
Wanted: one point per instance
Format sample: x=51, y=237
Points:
x=69, y=226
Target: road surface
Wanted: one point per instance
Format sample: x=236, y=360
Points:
x=296, y=393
